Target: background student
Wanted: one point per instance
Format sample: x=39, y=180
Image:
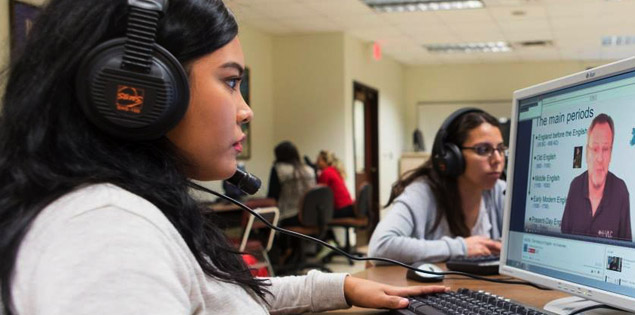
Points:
x=332, y=174
x=452, y=205
x=289, y=180
x=95, y=212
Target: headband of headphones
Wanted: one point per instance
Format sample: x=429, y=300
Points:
x=131, y=87
x=447, y=157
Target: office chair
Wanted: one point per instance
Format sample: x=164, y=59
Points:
x=254, y=245
x=315, y=211
x=360, y=221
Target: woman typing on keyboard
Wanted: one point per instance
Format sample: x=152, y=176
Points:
x=452, y=205
x=111, y=109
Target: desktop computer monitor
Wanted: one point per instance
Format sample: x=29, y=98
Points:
x=570, y=208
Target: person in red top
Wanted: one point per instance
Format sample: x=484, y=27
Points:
x=332, y=174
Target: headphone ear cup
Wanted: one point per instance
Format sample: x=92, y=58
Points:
x=129, y=104
x=454, y=160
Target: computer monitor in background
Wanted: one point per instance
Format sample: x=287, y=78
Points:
x=569, y=214
x=505, y=126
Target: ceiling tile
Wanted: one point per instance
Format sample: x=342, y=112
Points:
x=376, y=33
x=439, y=36
x=269, y=26
x=461, y=16
x=576, y=9
x=403, y=45
x=424, y=30
x=529, y=36
x=256, y=2
x=284, y=9
x=245, y=12
x=470, y=32
x=349, y=22
x=494, y=3
x=338, y=7
x=575, y=27
x=459, y=58
x=500, y=57
x=579, y=54
x=513, y=14
x=311, y=24
x=525, y=26
x=527, y=54
x=407, y=18
x=423, y=59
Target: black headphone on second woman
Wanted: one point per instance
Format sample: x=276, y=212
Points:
x=131, y=87
x=447, y=157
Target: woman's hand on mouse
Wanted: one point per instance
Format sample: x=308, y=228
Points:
x=482, y=246
x=370, y=294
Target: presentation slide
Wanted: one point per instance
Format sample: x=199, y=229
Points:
x=560, y=154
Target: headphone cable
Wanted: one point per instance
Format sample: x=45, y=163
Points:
x=380, y=259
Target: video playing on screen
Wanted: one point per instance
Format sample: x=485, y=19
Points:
x=573, y=194
x=582, y=165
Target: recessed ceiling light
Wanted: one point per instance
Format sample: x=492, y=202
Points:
x=385, y=6
x=485, y=47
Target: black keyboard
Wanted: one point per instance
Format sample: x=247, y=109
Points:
x=466, y=302
x=478, y=265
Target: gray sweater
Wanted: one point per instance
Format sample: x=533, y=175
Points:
x=406, y=234
x=104, y=250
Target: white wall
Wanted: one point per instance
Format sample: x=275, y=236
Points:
x=387, y=76
x=309, y=93
x=4, y=30
x=476, y=82
x=4, y=34
x=313, y=99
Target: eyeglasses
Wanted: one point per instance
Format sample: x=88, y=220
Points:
x=597, y=150
x=486, y=149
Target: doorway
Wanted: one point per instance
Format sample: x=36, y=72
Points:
x=366, y=145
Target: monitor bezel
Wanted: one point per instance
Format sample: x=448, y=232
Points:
x=590, y=293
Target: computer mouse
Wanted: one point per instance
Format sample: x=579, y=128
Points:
x=425, y=277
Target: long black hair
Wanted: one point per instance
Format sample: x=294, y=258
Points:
x=48, y=147
x=446, y=189
x=287, y=152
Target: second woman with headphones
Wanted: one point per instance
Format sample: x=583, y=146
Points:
x=452, y=205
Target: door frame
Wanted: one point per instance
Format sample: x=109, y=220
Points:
x=371, y=154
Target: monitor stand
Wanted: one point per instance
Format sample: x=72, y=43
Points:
x=571, y=304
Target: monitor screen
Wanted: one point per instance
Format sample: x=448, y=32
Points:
x=569, y=215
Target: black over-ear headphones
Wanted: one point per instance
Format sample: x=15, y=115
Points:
x=130, y=87
x=447, y=157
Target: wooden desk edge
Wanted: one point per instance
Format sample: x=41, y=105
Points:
x=395, y=275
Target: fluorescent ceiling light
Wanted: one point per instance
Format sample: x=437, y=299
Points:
x=490, y=47
x=422, y=5
x=618, y=40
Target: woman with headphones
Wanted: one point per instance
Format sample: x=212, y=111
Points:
x=452, y=205
x=111, y=109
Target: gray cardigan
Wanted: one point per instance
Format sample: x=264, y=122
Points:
x=406, y=234
x=103, y=250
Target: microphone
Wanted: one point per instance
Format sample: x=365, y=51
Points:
x=246, y=182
